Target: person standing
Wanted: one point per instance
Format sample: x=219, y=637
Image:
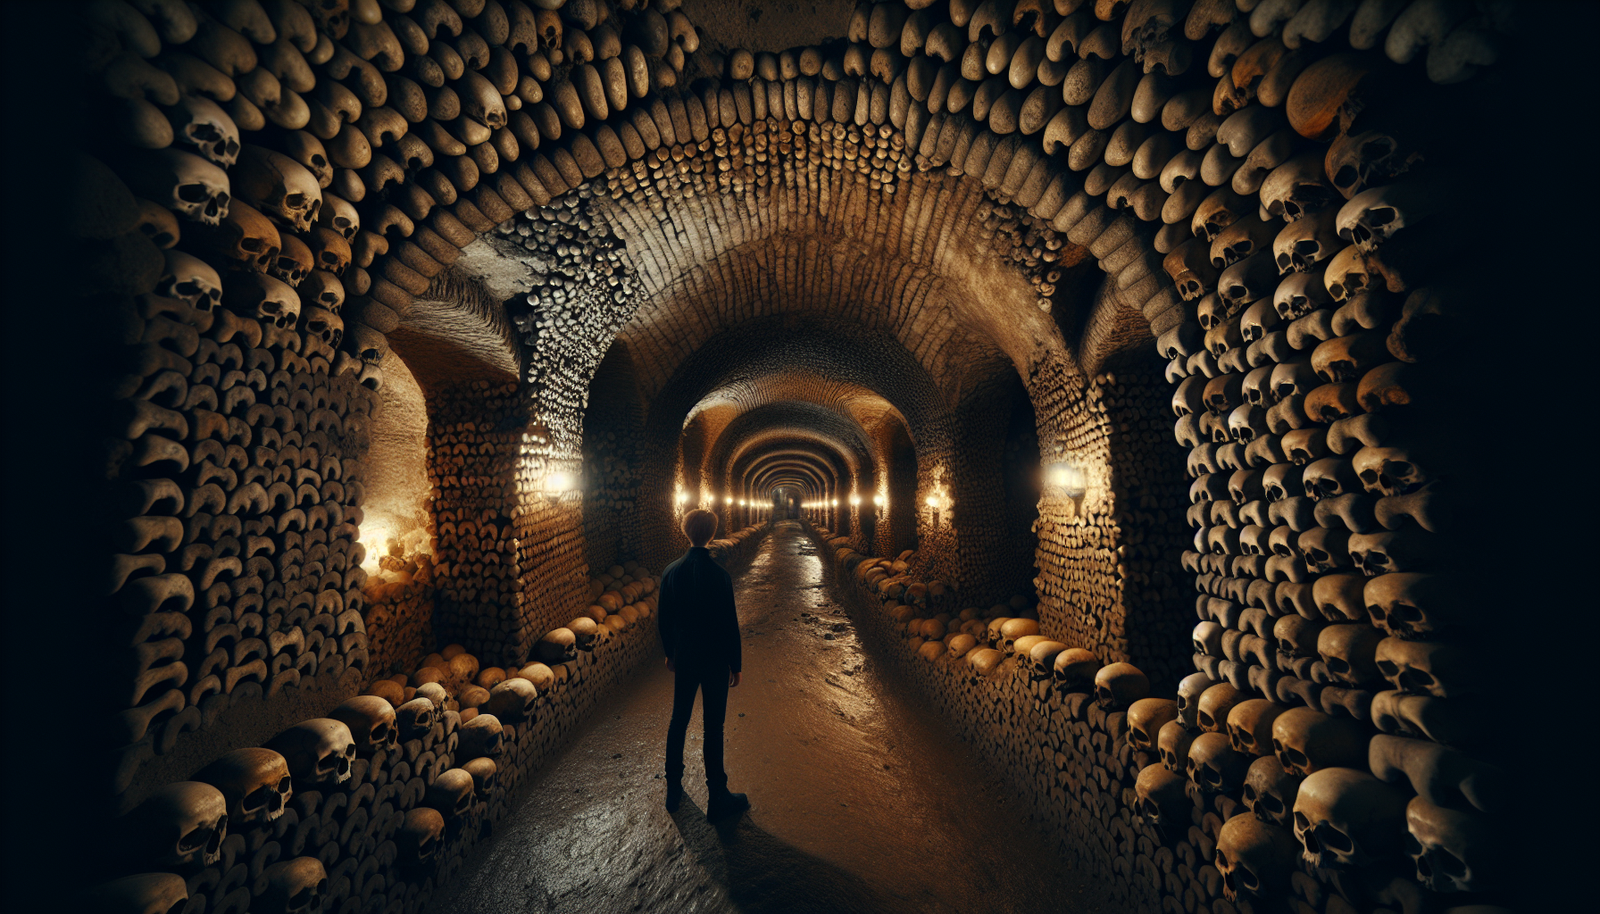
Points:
x=700, y=632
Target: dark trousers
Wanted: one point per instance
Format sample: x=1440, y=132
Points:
x=712, y=684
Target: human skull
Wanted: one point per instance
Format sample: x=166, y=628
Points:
x=181, y=824
x=1162, y=798
x=144, y=893
x=332, y=16
x=278, y=185
x=1252, y=278
x=451, y=793
x=1306, y=741
x=294, y=260
x=513, y=700
x=246, y=239
x=1254, y=858
x=1269, y=791
x=1247, y=235
x=1347, y=818
x=1118, y=685
x=1075, y=669
x=1347, y=358
x=322, y=289
x=1291, y=379
x=435, y=693
x=329, y=250
x=182, y=182
x=306, y=149
x=1215, y=703
x=1411, y=605
x=371, y=721
x=481, y=737
x=1325, y=549
x=1389, y=470
x=319, y=751
x=1296, y=636
x=1299, y=294
x=1220, y=209
x=1304, y=243
x=1348, y=274
x=485, y=777
x=1454, y=851
x=415, y=718
x=296, y=886
x=339, y=215
x=1304, y=446
x=1429, y=668
x=263, y=298
x=1394, y=550
x=1146, y=717
x=1190, y=689
x=323, y=324
x=1330, y=477
x=1213, y=766
x=1297, y=187
x=1374, y=216
x=190, y=279
x=255, y=782
x=558, y=646
x=1348, y=650
x=1190, y=270
x=1357, y=161
x=419, y=837
x=1249, y=726
x=201, y=123
x=1173, y=742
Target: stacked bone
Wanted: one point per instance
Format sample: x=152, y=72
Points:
x=1101, y=585
x=235, y=470
x=399, y=614
x=474, y=446
x=363, y=808
x=376, y=804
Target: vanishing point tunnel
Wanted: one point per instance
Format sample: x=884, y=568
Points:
x=1090, y=393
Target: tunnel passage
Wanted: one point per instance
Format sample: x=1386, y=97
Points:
x=1105, y=354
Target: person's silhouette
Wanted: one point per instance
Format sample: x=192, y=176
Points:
x=700, y=632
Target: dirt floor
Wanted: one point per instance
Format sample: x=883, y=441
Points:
x=861, y=800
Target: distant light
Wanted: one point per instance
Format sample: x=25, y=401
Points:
x=558, y=482
x=854, y=500
x=932, y=502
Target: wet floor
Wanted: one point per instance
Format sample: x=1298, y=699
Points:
x=861, y=801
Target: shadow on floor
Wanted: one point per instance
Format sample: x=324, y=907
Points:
x=764, y=875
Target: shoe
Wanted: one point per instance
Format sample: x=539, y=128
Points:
x=674, y=795
x=725, y=804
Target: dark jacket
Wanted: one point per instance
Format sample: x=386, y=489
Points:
x=699, y=624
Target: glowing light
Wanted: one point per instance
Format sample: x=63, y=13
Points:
x=933, y=502
x=556, y=483
x=879, y=500
x=1067, y=477
x=855, y=500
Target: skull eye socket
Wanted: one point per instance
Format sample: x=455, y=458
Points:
x=193, y=193
x=256, y=799
x=294, y=201
x=1335, y=840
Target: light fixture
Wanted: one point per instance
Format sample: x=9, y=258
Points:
x=558, y=482
x=855, y=500
x=1067, y=477
x=879, y=500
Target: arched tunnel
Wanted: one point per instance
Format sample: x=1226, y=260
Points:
x=1102, y=405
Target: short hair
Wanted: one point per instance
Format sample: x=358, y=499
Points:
x=700, y=526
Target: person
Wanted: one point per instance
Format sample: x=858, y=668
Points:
x=700, y=632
